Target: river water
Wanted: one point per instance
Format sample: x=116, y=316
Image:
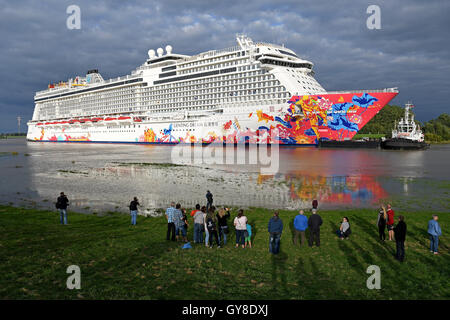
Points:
x=104, y=177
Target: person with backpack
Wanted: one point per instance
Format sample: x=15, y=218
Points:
x=61, y=204
x=211, y=224
x=390, y=222
x=199, y=225
x=240, y=225
x=434, y=230
x=300, y=226
x=344, y=230
x=400, y=236
x=314, y=223
x=209, y=200
x=222, y=217
x=275, y=228
x=381, y=223
x=134, y=210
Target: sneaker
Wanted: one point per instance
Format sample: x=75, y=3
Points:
x=436, y=253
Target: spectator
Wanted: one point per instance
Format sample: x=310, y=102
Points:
x=199, y=225
x=315, y=204
x=222, y=221
x=209, y=199
x=170, y=222
x=240, y=224
x=134, y=210
x=61, y=204
x=434, y=230
x=400, y=236
x=344, y=230
x=248, y=236
x=275, y=229
x=300, y=225
x=211, y=223
x=314, y=223
x=197, y=208
x=381, y=223
x=390, y=222
x=178, y=220
x=205, y=227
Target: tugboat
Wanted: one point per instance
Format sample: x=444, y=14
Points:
x=407, y=136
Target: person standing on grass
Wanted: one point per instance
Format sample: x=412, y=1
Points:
x=186, y=222
x=199, y=225
x=170, y=222
x=400, y=236
x=205, y=227
x=240, y=225
x=197, y=208
x=248, y=236
x=178, y=220
x=314, y=223
x=222, y=217
x=275, y=229
x=211, y=223
x=61, y=204
x=390, y=222
x=209, y=200
x=434, y=230
x=381, y=223
x=134, y=210
x=300, y=226
x=344, y=230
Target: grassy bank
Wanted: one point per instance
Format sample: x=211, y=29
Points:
x=118, y=261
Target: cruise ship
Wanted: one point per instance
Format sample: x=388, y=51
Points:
x=253, y=93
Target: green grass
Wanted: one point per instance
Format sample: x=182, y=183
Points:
x=119, y=261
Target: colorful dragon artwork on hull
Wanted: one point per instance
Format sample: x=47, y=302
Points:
x=306, y=120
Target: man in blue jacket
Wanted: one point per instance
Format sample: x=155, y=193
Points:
x=434, y=230
x=275, y=229
x=300, y=225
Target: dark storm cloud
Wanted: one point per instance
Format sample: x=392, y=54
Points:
x=411, y=51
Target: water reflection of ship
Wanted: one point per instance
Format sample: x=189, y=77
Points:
x=333, y=189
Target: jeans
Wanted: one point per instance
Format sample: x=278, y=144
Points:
x=240, y=239
x=170, y=231
x=222, y=235
x=198, y=233
x=182, y=230
x=206, y=237
x=434, y=242
x=133, y=217
x=274, y=243
x=208, y=205
x=213, y=235
x=400, y=254
x=314, y=235
x=63, y=216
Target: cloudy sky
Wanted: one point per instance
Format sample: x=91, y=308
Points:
x=410, y=51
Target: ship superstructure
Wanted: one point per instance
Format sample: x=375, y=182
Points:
x=252, y=93
x=407, y=128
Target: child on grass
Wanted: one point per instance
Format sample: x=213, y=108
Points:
x=248, y=236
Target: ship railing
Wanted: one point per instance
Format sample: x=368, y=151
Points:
x=59, y=90
x=363, y=91
x=270, y=45
x=212, y=53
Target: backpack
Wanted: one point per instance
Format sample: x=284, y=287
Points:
x=210, y=224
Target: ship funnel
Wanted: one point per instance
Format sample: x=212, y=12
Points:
x=160, y=52
x=151, y=53
x=168, y=49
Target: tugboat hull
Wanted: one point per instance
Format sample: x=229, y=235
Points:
x=403, y=144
